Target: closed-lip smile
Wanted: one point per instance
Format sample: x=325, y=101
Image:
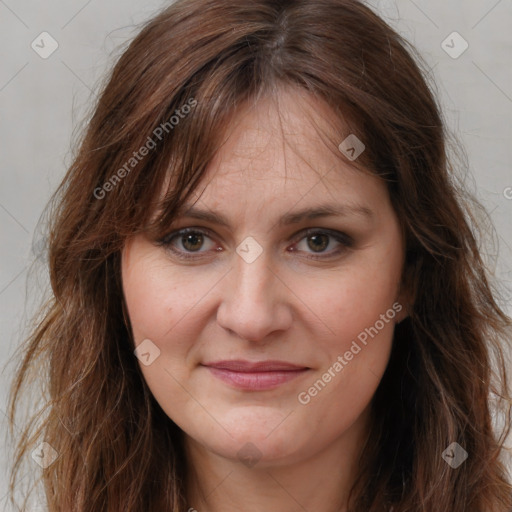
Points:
x=255, y=376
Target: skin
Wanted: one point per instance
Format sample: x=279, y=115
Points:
x=282, y=306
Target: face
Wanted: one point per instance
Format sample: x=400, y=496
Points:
x=272, y=322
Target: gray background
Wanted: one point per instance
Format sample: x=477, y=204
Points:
x=42, y=102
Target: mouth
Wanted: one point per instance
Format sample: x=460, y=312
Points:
x=255, y=376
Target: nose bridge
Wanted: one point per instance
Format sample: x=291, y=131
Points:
x=252, y=281
x=251, y=301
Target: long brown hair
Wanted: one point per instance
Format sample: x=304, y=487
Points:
x=117, y=450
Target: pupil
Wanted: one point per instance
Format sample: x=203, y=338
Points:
x=317, y=238
x=194, y=241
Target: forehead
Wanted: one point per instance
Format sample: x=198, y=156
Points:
x=285, y=146
x=278, y=133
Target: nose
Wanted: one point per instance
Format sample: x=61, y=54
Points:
x=255, y=302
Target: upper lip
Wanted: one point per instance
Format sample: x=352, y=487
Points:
x=239, y=365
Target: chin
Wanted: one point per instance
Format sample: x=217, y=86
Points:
x=252, y=444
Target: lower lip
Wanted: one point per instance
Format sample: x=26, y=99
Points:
x=256, y=381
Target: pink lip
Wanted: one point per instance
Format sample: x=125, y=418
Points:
x=255, y=376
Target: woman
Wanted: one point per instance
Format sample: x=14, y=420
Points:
x=267, y=294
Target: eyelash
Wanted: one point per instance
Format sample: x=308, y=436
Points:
x=346, y=241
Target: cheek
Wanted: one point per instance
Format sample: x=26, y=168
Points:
x=158, y=300
x=159, y=297
x=162, y=303
x=358, y=310
x=352, y=300
x=359, y=307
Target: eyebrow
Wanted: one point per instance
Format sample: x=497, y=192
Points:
x=325, y=210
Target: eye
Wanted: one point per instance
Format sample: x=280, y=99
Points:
x=191, y=241
x=318, y=240
x=188, y=242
